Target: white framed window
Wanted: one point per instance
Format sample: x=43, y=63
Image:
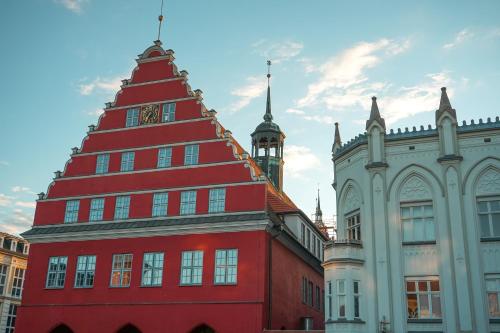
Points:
x=102, y=164
x=329, y=300
x=304, y=290
x=317, y=298
x=160, y=204
x=152, y=269
x=423, y=298
x=302, y=234
x=121, y=271
x=164, y=157
x=85, y=272
x=353, y=223
x=417, y=221
x=168, y=113
x=356, y=292
x=132, y=117
x=11, y=319
x=71, y=213
x=308, y=239
x=3, y=278
x=127, y=163
x=217, y=200
x=489, y=217
x=191, y=154
x=188, y=202
x=341, y=298
x=122, y=207
x=313, y=250
x=96, y=209
x=226, y=266
x=192, y=267
x=56, y=273
x=17, y=282
x=310, y=290
x=493, y=294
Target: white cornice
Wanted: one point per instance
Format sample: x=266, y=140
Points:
x=152, y=102
x=129, y=85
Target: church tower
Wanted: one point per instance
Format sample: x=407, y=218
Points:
x=267, y=143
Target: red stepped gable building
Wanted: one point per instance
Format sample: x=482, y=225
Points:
x=161, y=222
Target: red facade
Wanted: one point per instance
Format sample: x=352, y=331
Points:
x=266, y=287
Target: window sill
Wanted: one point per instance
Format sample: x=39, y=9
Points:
x=89, y=287
x=191, y=285
x=345, y=321
x=155, y=286
x=118, y=287
x=490, y=239
x=54, y=288
x=432, y=242
x=425, y=321
x=225, y=284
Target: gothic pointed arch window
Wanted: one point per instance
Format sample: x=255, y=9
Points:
x=62, y=328
x=202, y=329
x=129, y=328
x=352, y=215
x=488, y=203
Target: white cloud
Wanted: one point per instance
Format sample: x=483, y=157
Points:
x=320, y=119
x=277, y=51
x=26, y=204
x=295, y=111
x=5, y=200
x=460, y=37
x=73, y=5
x=299, y=160
x=4, y=163
x=96, y=112
x=16, y=221
x=106, y=85
x=254, y=88
x=19, y=189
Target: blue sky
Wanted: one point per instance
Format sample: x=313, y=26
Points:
x=63, y=59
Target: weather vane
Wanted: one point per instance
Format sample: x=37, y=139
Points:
x=160, y=19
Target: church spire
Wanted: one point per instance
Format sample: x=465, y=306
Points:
x=319, y=213
x=445, y=105
x=337, y=143
x=268, y=116
x=375, y=115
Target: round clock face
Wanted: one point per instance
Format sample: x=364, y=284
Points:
x=150, y=114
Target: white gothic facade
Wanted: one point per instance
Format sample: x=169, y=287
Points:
x=418, y=228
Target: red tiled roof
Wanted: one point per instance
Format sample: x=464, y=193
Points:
x=279, y=202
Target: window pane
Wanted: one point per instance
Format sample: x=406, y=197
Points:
x=495, y=221
x=341, y=306
x=422, y=286
x=419, y=231
x=495, y=206
x=484, y=222
x=407, y=231
x=410, y=286
x=435, y=285
x=493, y=305
x=412, y=306
x=424, y=306
x=482, y=206
x=436, y=306
x=405, y=212
x=429, y=229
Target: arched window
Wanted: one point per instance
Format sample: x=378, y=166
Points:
x=129, y=328
x=202, y=329
x=62, y=329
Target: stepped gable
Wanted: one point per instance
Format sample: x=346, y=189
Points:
x=222, y=162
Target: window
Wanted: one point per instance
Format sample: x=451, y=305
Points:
x=188, y=202
x=164, y=157
x=121, y=270
x=317, y=298
x=192, y=267
x=329, y=299
x=493, y=293
x=308, y=243
x=71, y=214
x=313, y=250
x=122, y=207
x=318, y=248
x=303, y=234
x=152, y=269
x=102, y=164
x=341, y=298
x=127, y=161
x=304, y=290
x=417, y=222
x=356, y=295
x=423, y=300
x=11, y=319
x=96, y=209
x=132, y=118
x=160, y=204
x=226, y=266
x=191, y=155
x=489, y=217
x=217, y=200
x=56, y=273
x=168, y=112
x=353, y=223
x=3, y=278
x=85, y=272
x=17, y=283
x=310, y=288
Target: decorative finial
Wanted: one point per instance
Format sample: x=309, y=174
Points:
x=445, y=105
x=375, y=114
x=268, y=116
x=160, y=20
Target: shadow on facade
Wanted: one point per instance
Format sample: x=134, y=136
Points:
x=202, y=329
x=129, y=328
x=62, y=329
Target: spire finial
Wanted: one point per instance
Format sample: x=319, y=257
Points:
x=445, y=105
x=268, y=116
x=160, y=20
x=319, y=214
x=375, y=114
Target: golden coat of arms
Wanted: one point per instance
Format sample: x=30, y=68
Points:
x=150, y=114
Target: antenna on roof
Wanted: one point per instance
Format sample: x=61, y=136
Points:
x=160, y=20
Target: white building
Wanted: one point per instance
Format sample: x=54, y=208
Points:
x=418, y=245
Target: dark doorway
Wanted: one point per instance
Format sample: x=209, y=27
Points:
x=129, y=328
x=202, y=329
x=62, y=329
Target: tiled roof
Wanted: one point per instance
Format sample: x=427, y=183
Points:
x=279, y=202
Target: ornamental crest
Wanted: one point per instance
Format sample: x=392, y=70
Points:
x=489, y=183
x=150, y=114
x=352, y=201
x=414, y=189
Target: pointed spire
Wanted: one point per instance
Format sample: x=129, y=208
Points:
x=445, y=105
x=337, y=143
x=268, y=116
x=318, y=220
x=375, y=115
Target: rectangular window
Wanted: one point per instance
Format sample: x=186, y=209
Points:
x=417, y=222
x=122, y=207
x=3, y=278
x=11, y=319
x=318, y=298
x=313, y=249
x=493, y=294
x=310, y=288
x=423, y=298
x=127, y=163
x=85, y=272
x=217, y=200
x=318, y=248
x=132, y=117
x=56, y=273
x=96, y=209
x=160, y=204
x=188, y=202
x=341, y=298
x=192, y=267
x=152, y=269
x=71, y=213
x=121, y=271
x=329, y=301
x=168, y=112
x=17, y=283
x=356, y=298
x=102, y=164
x=489, y=217
x=308, y=239
x=303, y=234
x=191, y=155
x=164, y=157
x=226, y=266
x=353, y=223
x=304, y=290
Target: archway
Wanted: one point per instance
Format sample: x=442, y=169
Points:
x=129, y=328
x=61, y=329
x=202, y=329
